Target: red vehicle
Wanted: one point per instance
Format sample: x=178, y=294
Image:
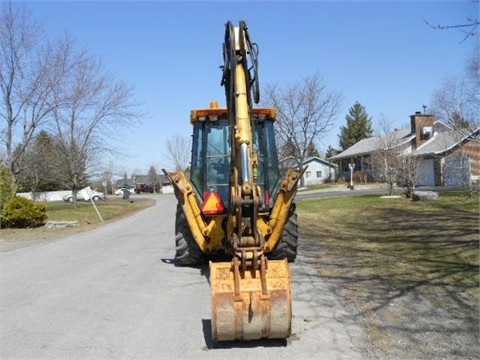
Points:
x=142, y=188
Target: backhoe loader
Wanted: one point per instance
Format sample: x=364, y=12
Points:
x=234, y=209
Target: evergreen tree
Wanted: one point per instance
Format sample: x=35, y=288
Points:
x=7, y=186
x=288, y=149
x=331, y=152
x=312, y=151
x=41, y=168
x=359, y=126
x=458, y=122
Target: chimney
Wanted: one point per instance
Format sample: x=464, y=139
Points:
x=422, y=126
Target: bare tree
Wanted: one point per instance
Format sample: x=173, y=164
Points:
x=305, y=110
x=92, y=106
x=179, y=151
x=457, y=103
x=25, y=69
x=392, y=161
x=407, y=173
x=152, y=179
x=107, y=178
x=386, y=159
x=469, y=28
x=457, y=100
x=472, y=88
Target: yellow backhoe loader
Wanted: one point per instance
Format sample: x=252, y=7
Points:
x=236, y=204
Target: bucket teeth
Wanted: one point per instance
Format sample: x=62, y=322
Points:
x=248, y=311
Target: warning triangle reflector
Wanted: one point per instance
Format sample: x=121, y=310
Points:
x=212, y=204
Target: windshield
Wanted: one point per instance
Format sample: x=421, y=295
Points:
x=211, y=151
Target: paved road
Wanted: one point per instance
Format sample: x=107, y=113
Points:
x=113, y=293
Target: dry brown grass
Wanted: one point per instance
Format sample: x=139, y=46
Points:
x=386, y=257
x=85, y=214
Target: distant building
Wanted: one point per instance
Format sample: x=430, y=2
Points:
x=319, y=170
x=446, y=157
x=161, y=184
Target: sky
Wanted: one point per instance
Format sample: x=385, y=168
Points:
x=379, y=53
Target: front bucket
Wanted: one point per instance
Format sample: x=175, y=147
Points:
x=251, y=313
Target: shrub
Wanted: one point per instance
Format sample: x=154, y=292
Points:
x=19, y=212
x=362, y=177
x=7, y=187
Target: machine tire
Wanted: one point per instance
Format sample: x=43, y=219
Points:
x=187, y=251
x=287, y=245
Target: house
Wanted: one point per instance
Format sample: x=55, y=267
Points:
x=319, y=170
x=445, y=157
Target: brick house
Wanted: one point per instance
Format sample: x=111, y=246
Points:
x=445, y=157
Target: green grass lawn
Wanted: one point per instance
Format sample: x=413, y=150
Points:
x=381, y=249
x=112, y=209
x=85, y=212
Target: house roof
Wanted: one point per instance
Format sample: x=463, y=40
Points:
x=289, y=161
x=368, y=145
x=317, y=159
x=443, y=142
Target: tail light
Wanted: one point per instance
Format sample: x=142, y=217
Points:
x=267, y=198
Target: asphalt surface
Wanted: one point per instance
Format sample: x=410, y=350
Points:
x=115, y=293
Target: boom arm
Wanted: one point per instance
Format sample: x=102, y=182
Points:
x=238, y=83
x=247, y=230
x=246, y=242
x=251, y=296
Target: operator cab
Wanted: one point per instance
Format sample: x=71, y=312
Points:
x=211, y=150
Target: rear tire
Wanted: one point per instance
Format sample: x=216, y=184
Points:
x=187, y=251
x=287, y=245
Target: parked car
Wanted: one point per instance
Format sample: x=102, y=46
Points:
x=96, y=196
x=144, y=189
x=120, y=191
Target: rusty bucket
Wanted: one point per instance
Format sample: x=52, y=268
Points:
x=254, y=308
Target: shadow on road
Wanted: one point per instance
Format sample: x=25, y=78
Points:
x=204, y=269
x=211, y=344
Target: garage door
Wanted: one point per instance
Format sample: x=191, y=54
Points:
x=425, y=174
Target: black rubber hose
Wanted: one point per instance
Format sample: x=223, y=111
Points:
x=253, y=52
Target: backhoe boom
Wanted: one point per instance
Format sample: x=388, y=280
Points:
x=235, y=203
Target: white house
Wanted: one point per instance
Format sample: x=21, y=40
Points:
x=319, y=170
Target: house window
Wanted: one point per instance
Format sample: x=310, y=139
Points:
x=319, y=174
x=308, y=174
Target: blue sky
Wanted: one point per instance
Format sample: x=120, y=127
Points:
x=380, y=53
